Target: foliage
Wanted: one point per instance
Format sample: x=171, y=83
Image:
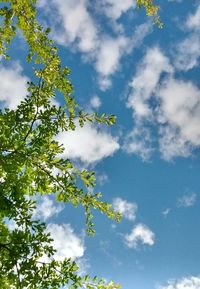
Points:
x=151, y=10
x=30, y=156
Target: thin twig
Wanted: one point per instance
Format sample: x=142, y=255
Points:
x=35, y=116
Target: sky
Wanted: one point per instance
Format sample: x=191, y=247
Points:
x=148, y=164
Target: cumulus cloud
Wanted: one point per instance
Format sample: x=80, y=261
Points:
x=127, y=209
x=112, y=49
x=145, y=81
x=78, y=29
x=66, y=242
x=139, y=234
x=109, y=54
x=143, y=87
x=179, y=109
x=77, y=24
x=186, y=282
x=47, y=208
x=188, y=50
x=13, y=87
x=193, y=20
x=88, y=144
x=114, y=9
x=175, y=112
x=187, y=200
x=95, y=102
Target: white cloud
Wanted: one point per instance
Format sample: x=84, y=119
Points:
x=46, y=208
x=139, y=234
x=79, y=29
x=88, y=144
x=109, y=55
x=184, y=283
x=139, y=142
x=193, y=20
x=127, y=209
x=166, y=212
x=172, y=144
x=143, y=88
x=175, y=112
x=114, y=9
x=179, y=109
x=66, y=242
x=102, y=178
x=11, y=224
x=188, y=50
x=13, y=87
x=78, y=26
x=187, y=200
x=146, y=80
x=112, y=49
x=83, y=264
x=95, y=102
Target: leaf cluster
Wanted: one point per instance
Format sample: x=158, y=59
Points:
x=152, y=10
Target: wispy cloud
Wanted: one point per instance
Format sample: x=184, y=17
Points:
x=166, y=212
x=127, y=209
x=174, y=113
x=186, y=282
x=111, y=51
x=102, y=178
x=193, y=20
x=108, y=58
x=145, y=81
x=179, y=109
x=76, y=25
x=188, y=50
x=95, y=102
x=81, y=31
x=114, y=9
x=66, y=242
x=143, y=88
x=140, y=234
x=161, y=101
x=139, y=142
x=47, y=208
x=187, y=200
x=14, y=86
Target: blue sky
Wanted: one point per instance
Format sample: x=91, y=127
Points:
x=148, y=164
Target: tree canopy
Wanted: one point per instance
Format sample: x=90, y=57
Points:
x=30, y=156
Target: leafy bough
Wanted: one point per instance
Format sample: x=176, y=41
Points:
x=29, y=158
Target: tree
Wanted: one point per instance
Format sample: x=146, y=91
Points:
x=29, y=154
